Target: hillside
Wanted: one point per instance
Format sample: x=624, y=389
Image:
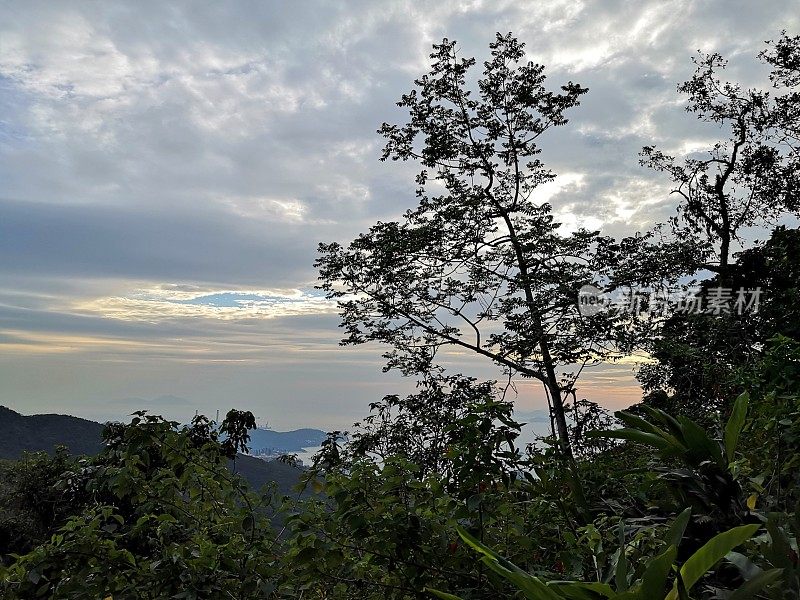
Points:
x=34, y=433
x=19, y=433
x=259, y=473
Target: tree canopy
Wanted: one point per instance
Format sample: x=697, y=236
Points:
x=479, y=263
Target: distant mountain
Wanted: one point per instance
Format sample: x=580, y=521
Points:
x=532, y=416
x=284, y=442
x=34, y=433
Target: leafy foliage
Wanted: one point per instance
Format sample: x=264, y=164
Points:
x=479, y=264
x=750, y=177
x=30, y=503
x=696, y=494
x=162, y=517
x=652, y=584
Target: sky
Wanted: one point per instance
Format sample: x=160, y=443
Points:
x=168, y=169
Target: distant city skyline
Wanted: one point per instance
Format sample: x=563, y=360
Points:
x=167, y=171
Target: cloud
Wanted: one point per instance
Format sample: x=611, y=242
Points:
x=127, y=242
x=158, y=304
x=167, y=170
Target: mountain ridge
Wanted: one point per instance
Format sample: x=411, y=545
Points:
x=44, y=432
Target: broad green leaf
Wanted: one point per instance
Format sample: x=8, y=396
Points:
x=699, y=443
x=780, y=550
x=472, y=542
x=734, y=425
x=750, y=588
x=667, y=419
x=531, y=586
x=634, y=435
x=746, y=567
x=637, y=422
x=707, y=556
x=578, y=590
x=675, y=532
x=654, y=579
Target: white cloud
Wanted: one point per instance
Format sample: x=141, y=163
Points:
x=160, y=142
x=164, y=303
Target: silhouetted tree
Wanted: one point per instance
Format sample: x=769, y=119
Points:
x=479, y=264
x=749, y=178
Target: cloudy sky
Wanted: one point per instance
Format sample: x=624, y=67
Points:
x=167, y=170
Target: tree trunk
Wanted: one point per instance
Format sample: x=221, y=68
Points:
x=565, y=446
x=724, y=252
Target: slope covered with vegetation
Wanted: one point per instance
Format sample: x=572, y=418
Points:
x=35, y=433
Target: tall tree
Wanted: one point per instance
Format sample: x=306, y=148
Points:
x=750, y=177
x=479, y=264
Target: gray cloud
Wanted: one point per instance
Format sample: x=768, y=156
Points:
x=206, y=244
x=154, y=149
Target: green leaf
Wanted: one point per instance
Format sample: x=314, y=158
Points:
x=779, y=550
x=43, y=589
x=750, y=588
x=675, y=532
x=654, y=579
x=707, y=556
x=579, y=590
x=621, y=568
x=532, y=587
x=735, y=423
x=667, y=419
x=634, y=435
x=442, y=595
x=248, y=523
x=637, y=422
x=476, y=545
x=699, y=443
x=747, y=569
